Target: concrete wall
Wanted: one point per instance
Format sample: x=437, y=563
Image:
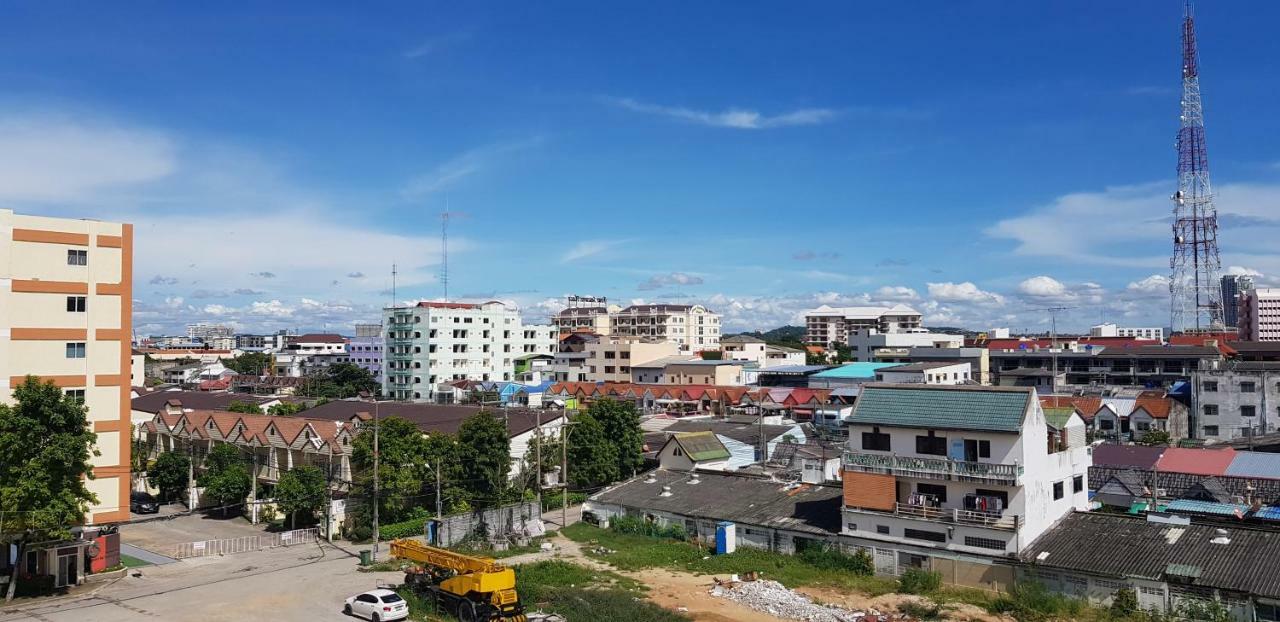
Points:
x=518, y=517
x=1228, y=398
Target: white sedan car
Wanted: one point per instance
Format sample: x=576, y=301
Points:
x=377, y=605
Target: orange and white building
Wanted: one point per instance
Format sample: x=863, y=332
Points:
x=66, y=291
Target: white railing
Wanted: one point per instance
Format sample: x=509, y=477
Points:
x=1008, y=522
x=245, y=544
x=932, y=468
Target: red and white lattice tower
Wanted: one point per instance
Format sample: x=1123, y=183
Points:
x=1195, y=296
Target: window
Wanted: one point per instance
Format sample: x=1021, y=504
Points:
x=76, y=394
x=931, y=445
x=936, y=491
x=1057, y=490
x=984, y=543
x=984, y=449
x=77, y=258
x=882, y=529
x=75, y=350
x=1209, y=386
x=1248, y=411
x=1210, y=410
x=852, y=526
x=875, y=440
x=1211, y=430
x=1248, y=387
x=919, y=534
x=1106, y=424
x=1077, y=483
x=75, y=304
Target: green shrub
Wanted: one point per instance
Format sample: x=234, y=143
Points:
x=642, y=527
x=404, y=529
x=1124, y=603
x=360, y=533
x=1032, y=601
x=859, y=563
x=919, y=581
x=551, y=501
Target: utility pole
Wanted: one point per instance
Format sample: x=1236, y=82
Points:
x=564, y=472
x=537, y=453
x=253, y=513
x=376, y=472
x=1053, y=343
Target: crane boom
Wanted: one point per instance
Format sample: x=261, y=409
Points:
x=423, y=554
x=475, y=589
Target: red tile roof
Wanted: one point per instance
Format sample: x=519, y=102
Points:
x=319, y=338
x=1087, y=406
x=1196, y=461
x=1157, y=407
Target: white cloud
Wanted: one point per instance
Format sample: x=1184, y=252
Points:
x=965, y=292
x=217, y=309
x=588, y=248
x=1241, y=270
x=675, y=279
x=46, y=158
x=460, y=167
x=1042, y=287
x=273, y=308
x=896, y=294
x=434, y=44
x=737, y=118
x=1154, y=286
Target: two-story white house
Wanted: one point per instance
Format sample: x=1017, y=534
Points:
x=953, y=477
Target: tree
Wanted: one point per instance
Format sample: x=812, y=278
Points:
x=225, y=479
x=243, y=407
x=402, y=453
x=171, y=474
x=591, y=452
x=340, y=380
x=301, y=490
x=249, y=363
x=1154, y=437
x=485, y=451
x=712, y=355
x=45, y=451
x=621, y=425
x=286, y=409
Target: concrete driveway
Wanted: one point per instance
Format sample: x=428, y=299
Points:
x=160, y=536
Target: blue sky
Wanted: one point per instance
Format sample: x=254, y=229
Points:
x=977, y=162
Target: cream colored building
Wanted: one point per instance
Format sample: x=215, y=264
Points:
x=693, y=327
x=720, y=373
x=609, y=359
x=66, y=290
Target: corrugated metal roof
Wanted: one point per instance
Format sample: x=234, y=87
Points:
x=794, y=369
x=1248, y=560
x=1268, y=512
x=1255, y=464
x=1196, y=461
x=1058, y=417
x=1127, y=456
x=1207, y=507
x=998, y=409
x=855, y=370
x=701, y=446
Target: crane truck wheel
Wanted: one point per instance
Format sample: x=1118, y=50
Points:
x=467, y=611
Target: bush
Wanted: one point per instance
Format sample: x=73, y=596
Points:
x=556, y=501
x=1124, y=603
x=1032, y=601
x=859, y=563
x=405, y=529
x=642, y=527
x=918, y=581
x=360, y=533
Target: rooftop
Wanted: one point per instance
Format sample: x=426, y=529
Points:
x=196, y=400
x=862, y=313
x=802, y=370
x=1242, y=560
x=741, y=339
x=748, y=433
x=999, y=409
x=700, y=446
x=319, y=338
x=852, y=370
x=924, y=366
x=743, y=499
x=430, y=418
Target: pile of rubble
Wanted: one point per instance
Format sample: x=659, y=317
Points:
x=776, y=600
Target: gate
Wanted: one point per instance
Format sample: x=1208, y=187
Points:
x=244, y=544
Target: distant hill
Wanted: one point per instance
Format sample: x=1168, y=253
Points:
x=792, y=336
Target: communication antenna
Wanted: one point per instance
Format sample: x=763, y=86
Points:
x=393, y=285
x=1053, y=337
x=444, y=250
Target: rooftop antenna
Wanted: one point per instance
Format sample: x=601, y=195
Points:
x=393, y=286
x=444, y=249
x=1053, y=343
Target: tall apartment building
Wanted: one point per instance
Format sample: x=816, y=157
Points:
x=692, y=327
x=1259, y=314
x=66, y=301
x=585, y=312
x=435, y=342
x=365, y=349
x=957, y=473
x=1232, y=286
x=831, y=326
x=203, y=332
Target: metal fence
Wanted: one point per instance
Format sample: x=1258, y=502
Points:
x=244, y=544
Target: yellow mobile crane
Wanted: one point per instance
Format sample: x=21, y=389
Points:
x=476, y=589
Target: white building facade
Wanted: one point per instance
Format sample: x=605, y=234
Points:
x=1259, y=314
x=435, y=342
x=864, y=343
x=692, y=327
x=830, y=326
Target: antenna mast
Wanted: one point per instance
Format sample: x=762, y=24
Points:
x=394, y=302
x=444, y=251
x=1195, y=295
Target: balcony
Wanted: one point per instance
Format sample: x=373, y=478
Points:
x=955, y=516
x=933, y=468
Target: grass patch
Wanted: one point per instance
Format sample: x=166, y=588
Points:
x=637, y=552
x=582, y=594
x=132, y=562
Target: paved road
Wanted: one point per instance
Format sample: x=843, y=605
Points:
x=553, y=518
x=144, y=555
x=160, y=536
x=300, y=583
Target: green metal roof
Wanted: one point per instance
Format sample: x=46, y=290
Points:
x=701, y=446
x=943, y=407
x=1057, y=417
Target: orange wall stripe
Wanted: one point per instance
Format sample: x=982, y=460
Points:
x=126, y=366
x=60, y=381
x=49, y=287
x=112, y=289
x=110, y=241
x=111, y=380
x=109, y=334
x=50, y=237
x=48, y=334
x=108, y=425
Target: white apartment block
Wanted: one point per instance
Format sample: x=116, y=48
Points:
x=66, y=308
x=865, y=343
x=435, y=342
x=957, y=472
x=594, y=319
x=609, y=359
x=830, y=326
x=204, y=331
x=692, y=327
x=1112, y=330
x=927, y=372
x=754, y=352
x=1259, y=314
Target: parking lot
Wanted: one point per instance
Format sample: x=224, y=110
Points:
x=161, y=535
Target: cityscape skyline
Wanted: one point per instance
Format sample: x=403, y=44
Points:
x=993, y=184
